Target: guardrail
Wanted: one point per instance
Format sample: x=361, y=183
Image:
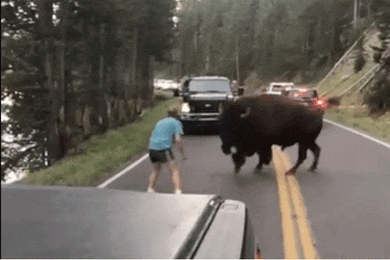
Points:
x=367, y=77
x=340, y=62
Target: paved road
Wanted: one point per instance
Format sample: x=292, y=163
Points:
x=347, y=199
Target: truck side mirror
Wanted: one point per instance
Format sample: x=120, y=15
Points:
x=186, y=96
x=240, y=91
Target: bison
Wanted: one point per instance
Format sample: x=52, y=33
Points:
x=253, y=124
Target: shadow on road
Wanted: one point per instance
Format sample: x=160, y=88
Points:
x=204, y=131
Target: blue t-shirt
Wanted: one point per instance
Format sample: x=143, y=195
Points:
x=162, y=134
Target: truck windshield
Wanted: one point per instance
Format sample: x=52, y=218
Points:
x=276, y=88
x=209, y=86
x=303, y=94
x=280, y=87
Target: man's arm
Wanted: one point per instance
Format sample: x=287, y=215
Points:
x=178, y=139
x=180, y=146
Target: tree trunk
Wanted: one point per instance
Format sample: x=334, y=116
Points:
x=104, y=122
x=132, y=92
x=143, y=81
x=150, y=102
x=94, y=91
x=237, y=62
x=86, y=121
x=134, y=56
x=355, y=13
x=45, y=12
x=330, y=10
x=123, y=119
x=142, y=77
x=64, y=144
x=369, y=9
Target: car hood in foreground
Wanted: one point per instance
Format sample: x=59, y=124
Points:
x=63, y=222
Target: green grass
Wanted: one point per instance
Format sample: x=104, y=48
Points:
x=357, y=117
x=103, y=155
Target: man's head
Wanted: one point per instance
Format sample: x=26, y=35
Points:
x=173, y=112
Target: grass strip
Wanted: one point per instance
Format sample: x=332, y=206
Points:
x=359, y=119
x=103, y=155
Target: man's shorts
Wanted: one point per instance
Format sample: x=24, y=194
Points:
x=160, y=156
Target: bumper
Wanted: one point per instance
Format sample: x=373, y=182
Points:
x=193, y=122
x=200, y=117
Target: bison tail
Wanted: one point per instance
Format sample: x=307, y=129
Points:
x=334, y=101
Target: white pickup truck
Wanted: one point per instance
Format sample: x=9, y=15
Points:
x=275, y=88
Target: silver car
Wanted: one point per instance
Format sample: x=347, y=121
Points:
x=63, y=222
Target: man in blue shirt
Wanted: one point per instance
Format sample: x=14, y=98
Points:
x=166, y=132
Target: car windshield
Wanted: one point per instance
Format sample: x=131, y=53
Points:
x=280, y=87
x=209, y=86
x=276, y=88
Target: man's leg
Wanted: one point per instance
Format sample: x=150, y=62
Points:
x=156, y=167
x=175, y=174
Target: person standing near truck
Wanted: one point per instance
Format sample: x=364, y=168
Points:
x=167, y=132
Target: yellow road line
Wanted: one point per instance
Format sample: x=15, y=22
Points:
x=307, y=241
x=298, y=210
x=289, y=240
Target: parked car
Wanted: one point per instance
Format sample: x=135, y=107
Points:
x=158, y=83
x=276, y=88
x=174, y=85
x=82, y=223
x=165, y=84
x=308, y=97
x=202, y=101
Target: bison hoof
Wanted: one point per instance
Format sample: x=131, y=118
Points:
x=312, y=169
x=259, y=166
x=236, y=170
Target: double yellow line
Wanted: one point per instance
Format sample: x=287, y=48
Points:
x=297, y=235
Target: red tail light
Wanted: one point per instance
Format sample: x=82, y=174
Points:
x=321, y=103
x=257, y=254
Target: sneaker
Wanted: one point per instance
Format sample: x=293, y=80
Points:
x=178, y=192
x=151, y=190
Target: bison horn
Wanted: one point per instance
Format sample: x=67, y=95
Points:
x=247, y=112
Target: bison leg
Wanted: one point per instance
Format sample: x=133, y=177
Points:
x=316, y=151
x=225, y=149
x=302, y=156
x=239, y=160
x=259, y=166
x=265, y=157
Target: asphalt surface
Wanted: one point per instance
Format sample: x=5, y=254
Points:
x=347, y=198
